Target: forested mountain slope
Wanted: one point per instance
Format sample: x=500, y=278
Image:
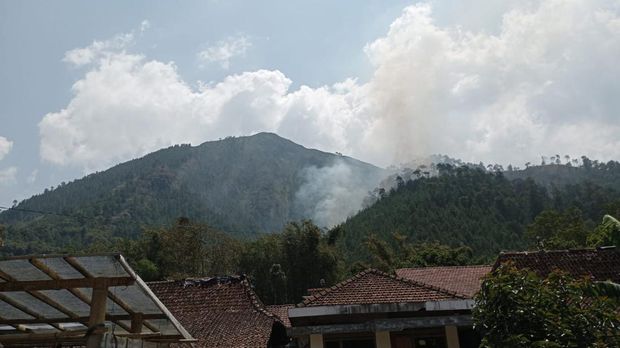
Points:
x=469, y=206
x=242, y=185
x=557, y=175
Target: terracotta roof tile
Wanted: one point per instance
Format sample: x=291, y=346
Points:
x=372, y=286
x=464, y=280
x=281, y=311
x=599, y=264
x=219, y=312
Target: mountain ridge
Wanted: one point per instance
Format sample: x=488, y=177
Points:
x=241, y=185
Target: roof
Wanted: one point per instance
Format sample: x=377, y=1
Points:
x=281, y=311
x=374, y=287
x=219, y=311
x=51, y=295
x=464, y=280
x=600, y=264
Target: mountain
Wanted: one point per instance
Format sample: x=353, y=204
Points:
x=241, y=185
x=485, y=210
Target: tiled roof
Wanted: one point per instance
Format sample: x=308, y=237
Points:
x=464, y=280
x=219, y=312
x=599, y=264
x=281, y=311
x=372, y=286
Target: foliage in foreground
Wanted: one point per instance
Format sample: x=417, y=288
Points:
x=517, y=308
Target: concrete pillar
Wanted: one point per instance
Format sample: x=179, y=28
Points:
x=316, y=341
x=382, y=339
x=452, y=337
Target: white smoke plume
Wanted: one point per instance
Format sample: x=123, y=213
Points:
x=331, y=194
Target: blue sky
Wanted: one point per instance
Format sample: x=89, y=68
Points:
x=86, y=85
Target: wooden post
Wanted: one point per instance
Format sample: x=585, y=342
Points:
x=136, y=323
x=97, y=313
x=452, y=336
x=382, y=339
x=316, y=341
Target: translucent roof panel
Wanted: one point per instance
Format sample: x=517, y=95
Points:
x=139, y=301
x=59, y=266
x=33, y=304
x=112, y=307
x=102, y=266
x=9, y=312
x=22, y=270
x=69, y=301
x=45, y=293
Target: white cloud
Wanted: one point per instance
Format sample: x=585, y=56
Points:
x=145, y=25
x=5, y=146
x=544, y=82
x=90, y=54
x=224, y=50
x=8, y=176
x=33, y=176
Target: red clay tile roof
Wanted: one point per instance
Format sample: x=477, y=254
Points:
x=464, y=280
x=219, y=312
x=372, y=286
x=599, y=264
x=281, y=311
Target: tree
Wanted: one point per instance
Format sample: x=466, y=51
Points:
x=283, y=266
x=607, y=233
x=401, y=253
x=517, y=308
x=552, y=229
x=183, y=250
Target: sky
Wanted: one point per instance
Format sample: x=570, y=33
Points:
x=87, y=85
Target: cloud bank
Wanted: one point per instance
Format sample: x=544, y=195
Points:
x=545, y=82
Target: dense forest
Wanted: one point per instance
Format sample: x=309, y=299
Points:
x=242, y=185
x=483, y=209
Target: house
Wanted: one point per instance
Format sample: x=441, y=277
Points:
x=375, y=309
x=221, y=312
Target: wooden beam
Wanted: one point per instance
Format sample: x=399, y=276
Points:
x=58, y=284
x=26, y=310
x=44, y=337
x=38, y=296
x=84, y=320
x=127, y=308
x=75, y=292
x=140, y=283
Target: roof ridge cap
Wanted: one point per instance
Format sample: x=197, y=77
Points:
x=435, y=267
x=256, y=302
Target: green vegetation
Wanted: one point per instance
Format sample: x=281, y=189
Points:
x=517, y=308
x=388, y=257
x=484, y=211
x=243, y=186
